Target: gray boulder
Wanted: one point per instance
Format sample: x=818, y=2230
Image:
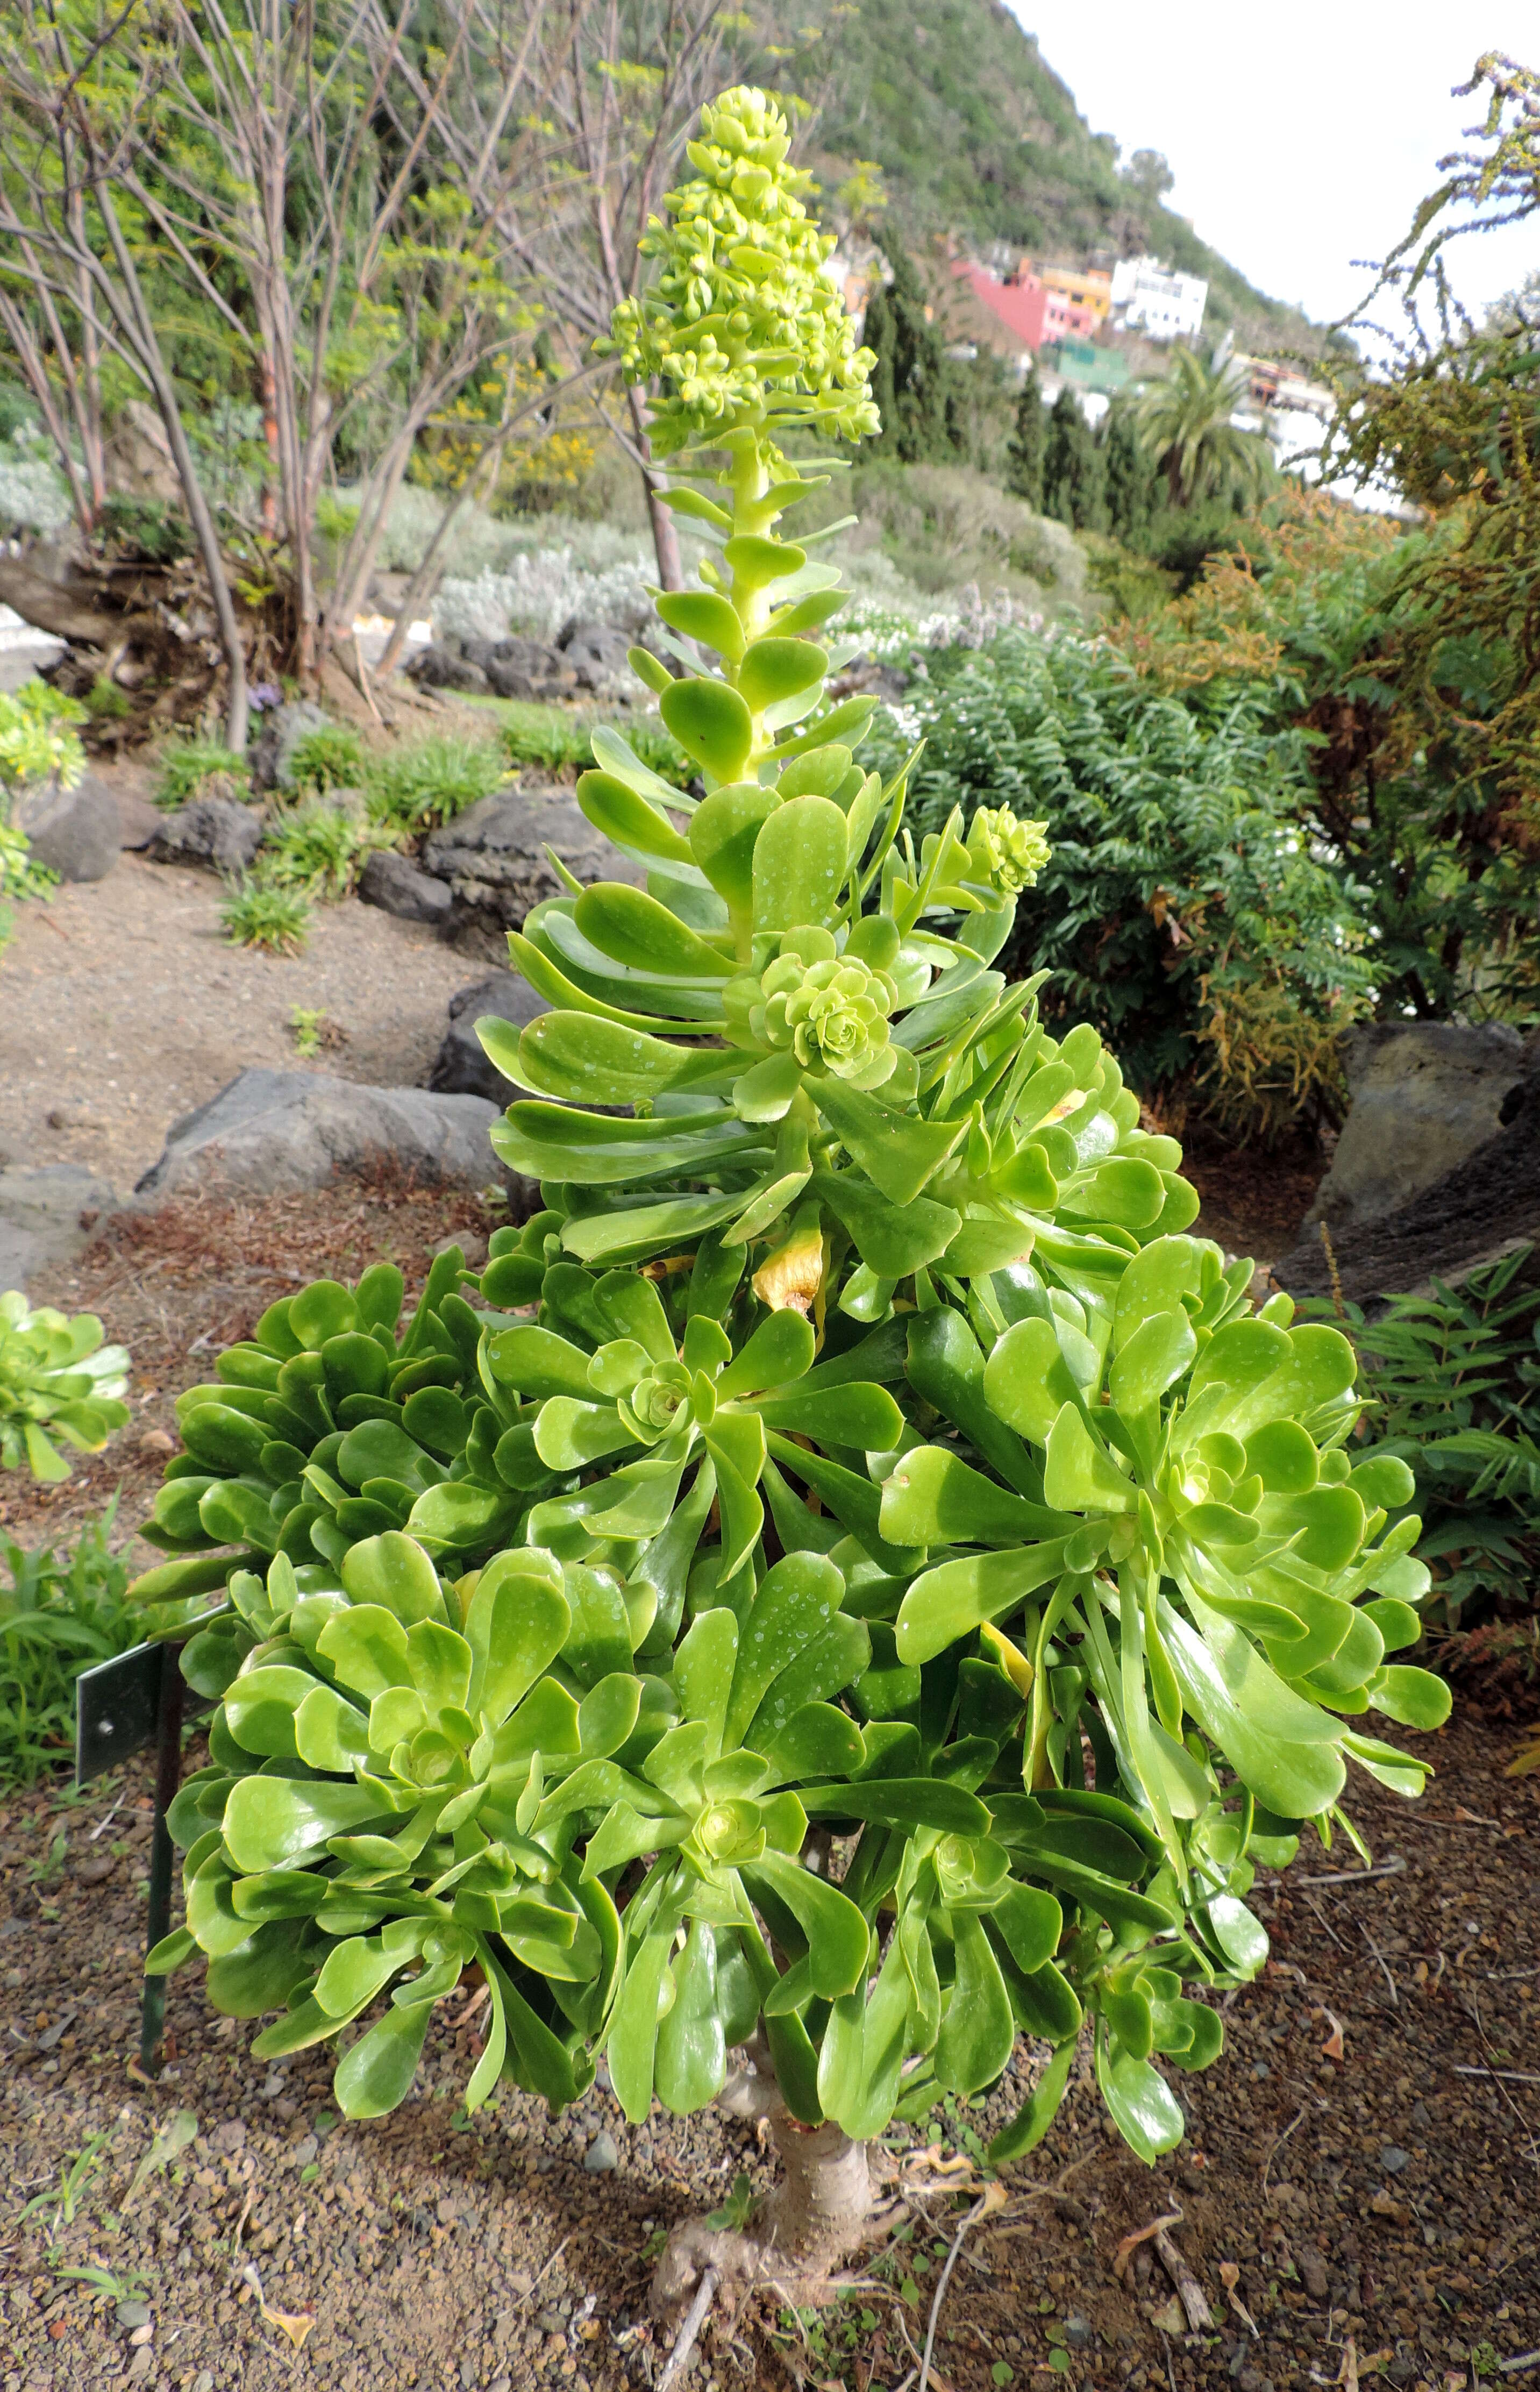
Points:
x=597, y=653
x=400, y=886
x=441, y=666
x=278, y=1133
x=216, y=831
x=1486, y=1206
x=1425, y=1096
x=493, y=858
x=462, y=1062
x=521, y=668
x=77, y=833
x=42, y=1228
x=282, y=729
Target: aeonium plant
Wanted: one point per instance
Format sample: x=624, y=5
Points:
x=60, y=1386
x=848, y=1616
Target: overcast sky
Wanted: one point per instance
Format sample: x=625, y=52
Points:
x=1301, y=137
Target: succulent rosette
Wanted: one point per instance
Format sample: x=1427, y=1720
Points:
x=59, y=1385
x=855, y=1451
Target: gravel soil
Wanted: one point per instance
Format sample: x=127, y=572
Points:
x=122, y=1007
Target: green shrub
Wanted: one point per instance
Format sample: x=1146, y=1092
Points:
x=855, y=1448
x=257, y=913
x=1454, y=1382
x=37, y=740
x=317, y=849
x=58, y=1381
x=532, y=733
x=332, y=758
x=415, y=789
x=21, y=876
x=146, y=528
x=557, y=741
x=198, y=768
x=1181, y=912
x=61, y=1614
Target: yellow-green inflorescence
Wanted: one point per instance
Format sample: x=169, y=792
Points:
x=742, y=321
x=1007, y=854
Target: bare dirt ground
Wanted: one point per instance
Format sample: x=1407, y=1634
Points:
x=122, y=1007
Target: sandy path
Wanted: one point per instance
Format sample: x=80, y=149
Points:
x=122, y=1007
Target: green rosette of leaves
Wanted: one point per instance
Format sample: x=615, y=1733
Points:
x=857, y=1454
x=59, y=1386
x=335, y=1422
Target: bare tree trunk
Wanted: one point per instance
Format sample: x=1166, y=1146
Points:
x=810, y=2220
x=149, y=350
x=270, y=440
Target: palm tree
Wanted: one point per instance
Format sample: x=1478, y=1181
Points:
x=1185, y=428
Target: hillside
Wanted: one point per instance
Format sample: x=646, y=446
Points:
x=976, y=134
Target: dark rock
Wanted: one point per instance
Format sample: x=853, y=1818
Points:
x=462, y=1063
x=493, y=858
x=1077, y=2332
x=1392, y=2159
x=1425, y=1096
x=400, y=886
x=209, y=831
x=76, y=833
x=597, y=653
x=1488, y=1203
x=439, y=666
x=527, y=669
x=41, y=1218
x=282, y=729
x=271, y=1133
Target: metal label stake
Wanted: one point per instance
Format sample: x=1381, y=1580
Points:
x=121, y=1707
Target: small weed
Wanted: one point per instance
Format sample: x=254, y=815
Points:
x=73, y=2180
x=735, y=2210
x=113, y=2284
x=200, y=768
x=256, y=914
x=306, y=1027
x=49, y=1866
x=170, y=2139
x=105, y=702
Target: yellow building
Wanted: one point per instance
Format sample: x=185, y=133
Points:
x=1083, y=286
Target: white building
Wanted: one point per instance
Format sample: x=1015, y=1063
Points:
x=1154, y=299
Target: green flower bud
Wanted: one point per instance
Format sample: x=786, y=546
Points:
x=833, y=1014
x=1007, y=852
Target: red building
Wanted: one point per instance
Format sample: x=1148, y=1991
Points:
x=1028, y=311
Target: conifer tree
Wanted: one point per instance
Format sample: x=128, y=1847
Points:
x=1128, y=477
x=1025, y=454
x=1073, y=480
x=910, y=379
